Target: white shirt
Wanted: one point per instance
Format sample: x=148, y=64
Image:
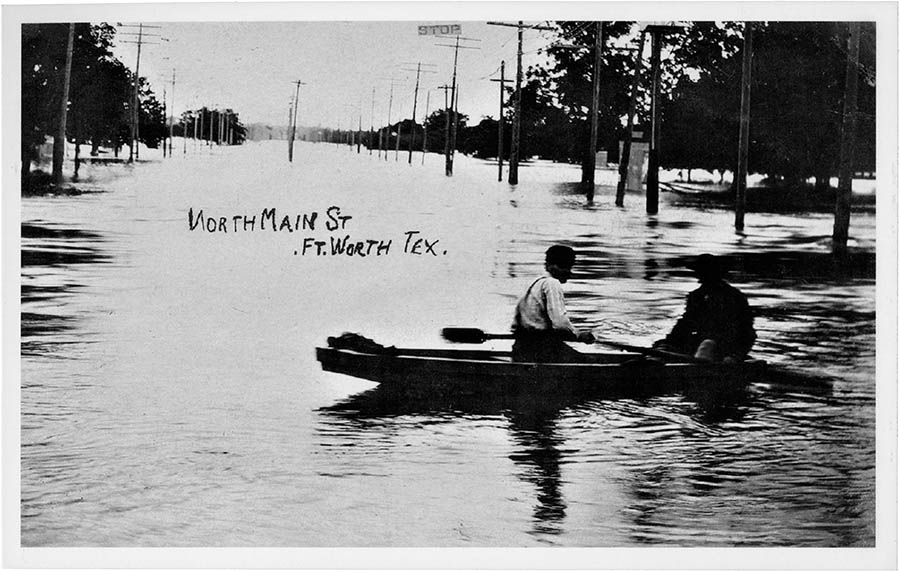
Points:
x=543, y=307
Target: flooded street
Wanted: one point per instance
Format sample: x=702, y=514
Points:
x=171, y=397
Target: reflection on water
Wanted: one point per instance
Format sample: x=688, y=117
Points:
x=539, y=455
x=170, y=395
x=672, y=451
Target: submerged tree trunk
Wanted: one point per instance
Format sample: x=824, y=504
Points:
x=26, y=160
x=848, y=141
x=77, y=158
x=59, y=139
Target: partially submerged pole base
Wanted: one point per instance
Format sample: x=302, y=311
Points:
x=653, y=182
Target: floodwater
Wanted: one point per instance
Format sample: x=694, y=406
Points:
x=170, y=394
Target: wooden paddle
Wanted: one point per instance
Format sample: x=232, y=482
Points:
x=471, y=335
x=477, y=336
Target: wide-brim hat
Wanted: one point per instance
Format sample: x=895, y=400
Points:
x=707, y=266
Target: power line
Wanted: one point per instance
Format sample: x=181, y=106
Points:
x=514, y=151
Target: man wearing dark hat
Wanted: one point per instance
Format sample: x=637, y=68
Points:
x=541, y=325
x=717, y=324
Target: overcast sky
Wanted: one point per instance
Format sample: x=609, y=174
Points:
x=245, y=55
x=250, y=67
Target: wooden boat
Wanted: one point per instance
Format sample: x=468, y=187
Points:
x=469, y=371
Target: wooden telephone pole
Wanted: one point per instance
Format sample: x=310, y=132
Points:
x=450, y=139
x=412, y=134
x=503, y=82
x=425, y=125
x=517, y=122
x=387, y=143
x=446, y=88
x=740, y=201
x=595, y=112
x=625, y=156
x=848, y=141
x=293, y=128
x=59, y=141
x=372, y=123
x=359, y=130
x=172, y=122
x=134, y=150
x=657, y=31
x=387, y=138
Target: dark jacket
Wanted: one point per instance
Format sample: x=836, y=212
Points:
x=717, y=311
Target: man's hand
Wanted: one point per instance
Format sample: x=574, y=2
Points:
x=586, y=337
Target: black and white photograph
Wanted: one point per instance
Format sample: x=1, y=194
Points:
x=588, y=285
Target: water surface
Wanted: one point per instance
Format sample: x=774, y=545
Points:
x=171, y=397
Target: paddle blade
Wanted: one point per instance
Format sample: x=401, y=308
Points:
x=464, y=335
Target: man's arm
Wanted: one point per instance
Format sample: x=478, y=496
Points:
x=680, y=336
x=556, y=311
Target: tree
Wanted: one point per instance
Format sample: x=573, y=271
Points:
x=100, y=89
x=100, y=92
x=796, y=101
x=568, y=84
x=43, y=59
x=436, y=127
x=480, y=140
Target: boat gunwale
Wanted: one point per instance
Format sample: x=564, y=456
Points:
x=623, y=357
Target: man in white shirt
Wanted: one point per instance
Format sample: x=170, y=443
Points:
x=541, y=325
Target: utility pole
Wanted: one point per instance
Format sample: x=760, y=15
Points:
x=387, y=137
x=387, y=143
x=625, y=156
x=848, y=141
x=165, y=118
x=134, y=151
x=290, y=124
x=135, y=121
x=425, y=126
x=293, y=127
x=351, y=134
x=359, y=130
x=446, y=88
x=657, y=31
x=372, y=123
x=455, y=128
x=502, y=81
x=399, y=134
x=59, y=142
x=595, y=112
x=450, y=144
x=172, y=123
x=740, y=202
x=412, y=135
x=653, y=161
x=516, y=128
